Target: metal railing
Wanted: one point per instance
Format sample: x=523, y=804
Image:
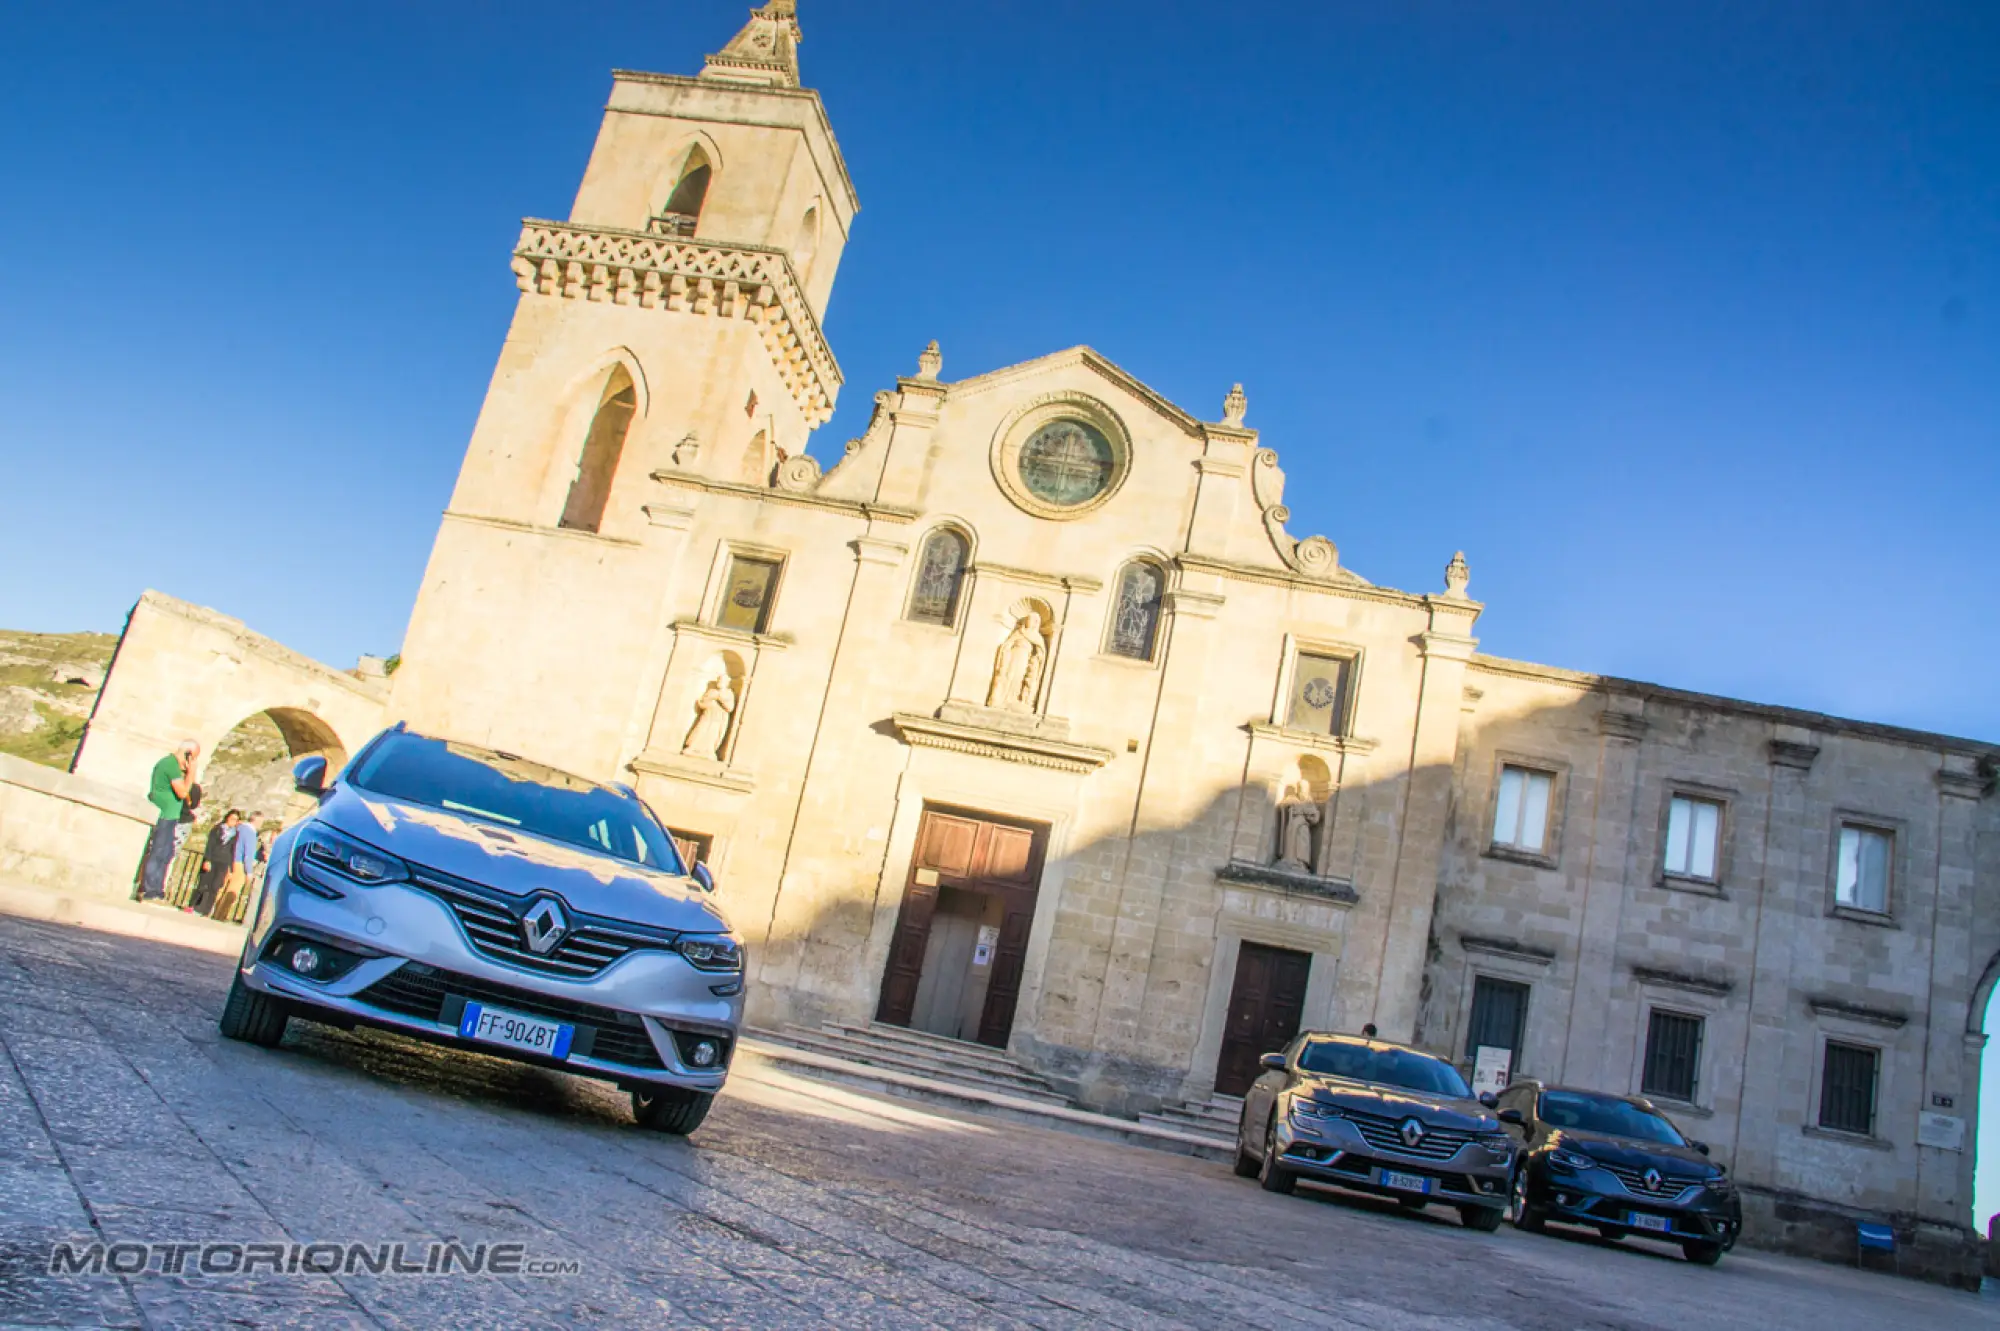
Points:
x=184, y=877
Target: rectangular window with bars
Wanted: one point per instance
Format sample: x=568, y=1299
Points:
x=1499, y=1016
x=1847, y=1088
x=1673, y=1056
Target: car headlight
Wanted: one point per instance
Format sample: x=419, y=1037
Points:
x=1305, y=1108
x=1718, y=1182
x=327, y=862
x=711, y=952
x=1571, y=1160
x=1497, y=1141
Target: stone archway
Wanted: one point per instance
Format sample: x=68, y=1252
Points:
x=185, y=672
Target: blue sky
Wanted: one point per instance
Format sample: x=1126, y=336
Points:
x=1682, y=320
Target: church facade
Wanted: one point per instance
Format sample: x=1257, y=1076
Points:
x=1029, y=720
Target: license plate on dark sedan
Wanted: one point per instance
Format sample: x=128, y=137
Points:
x=1405, y=1182
x=515, y=1030
x=1658, y=1224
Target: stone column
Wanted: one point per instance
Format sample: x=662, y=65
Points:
x=1944, y=1178
x=1163, y=809
x=1770, y=1101
x=1446, y=647
x=820, y=921
x=668, y=523
x=1607, y=822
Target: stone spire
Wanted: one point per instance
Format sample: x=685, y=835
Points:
x=766, y=52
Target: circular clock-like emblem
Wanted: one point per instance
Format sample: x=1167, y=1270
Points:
x=1066, y=462
x=1319, y=693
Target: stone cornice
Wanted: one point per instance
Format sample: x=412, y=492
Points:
x=1823, y=1006
x=928, y=732
x=859, y=508
x=1357, y=590
x=1621, y=725
x=751, y=282
x=1507, y=947
x=678, y=767
x=694, y=628
x=1312, y=739
x=1287, y=881
x=1965, y=785
x=1673, y=979
x=1585, y=682
x=536, y=529
x=1791, y=753
x=1058, y=581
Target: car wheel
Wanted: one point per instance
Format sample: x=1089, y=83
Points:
x=1271, y=1175
x=1525, y=1215
x=1247, y=1164
x=1485, y=1219
x=256, y=1018
x=672, y=1109
x=1700, y=1253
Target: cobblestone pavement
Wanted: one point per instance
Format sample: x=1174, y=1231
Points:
x=124, y=1116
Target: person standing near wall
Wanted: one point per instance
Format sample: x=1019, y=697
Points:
x=243, y=854
x=173, y=778
x=218, y=857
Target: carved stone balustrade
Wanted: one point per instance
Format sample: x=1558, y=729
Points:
x=699, y=277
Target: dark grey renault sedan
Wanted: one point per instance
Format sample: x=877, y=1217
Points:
x=1380, y=1118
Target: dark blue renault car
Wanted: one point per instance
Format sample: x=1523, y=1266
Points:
x=1616, y=1164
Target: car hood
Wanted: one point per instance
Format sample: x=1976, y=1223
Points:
x=1442, y=1111
x=518, y=863
x=1609, y=1150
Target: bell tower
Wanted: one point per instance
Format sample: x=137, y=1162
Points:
x=671, y=322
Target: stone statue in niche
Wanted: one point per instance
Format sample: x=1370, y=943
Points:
x=1297, y=817
x=1017, y=666
x=711, y=720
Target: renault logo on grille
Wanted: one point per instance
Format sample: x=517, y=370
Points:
x=543, y=926
x=1412, y=1131
x=1652, y=1177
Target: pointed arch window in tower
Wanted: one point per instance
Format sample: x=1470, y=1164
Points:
x=940, y=575
x=683, y=208
x=1135, y=615
x=597, y=463
x=808, y=247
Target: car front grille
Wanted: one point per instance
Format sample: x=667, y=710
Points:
x=493, y=927
x=1384, y=1133
x=1634, y=1181
x=417, y=990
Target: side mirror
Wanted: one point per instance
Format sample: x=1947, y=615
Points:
x=1489, y=1099
x=309, y=776
x=1700, y=1146
x=1272, y=1062
x=704, y=877
x=1512, y=1118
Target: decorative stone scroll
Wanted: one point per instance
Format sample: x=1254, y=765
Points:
x=693, y=276
x=1314, y=557
x=798, y=475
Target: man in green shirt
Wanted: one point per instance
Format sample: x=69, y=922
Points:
x=173, y=777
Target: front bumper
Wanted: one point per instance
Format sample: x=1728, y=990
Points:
x=1332, y=1150
x=1598, y=1198
x=418, y=969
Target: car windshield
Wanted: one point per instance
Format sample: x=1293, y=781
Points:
x=515, y=792
x=1389, y=1067
x=1613, y=1118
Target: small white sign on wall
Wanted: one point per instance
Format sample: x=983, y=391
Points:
x=982, y=951
x=1945, y=1132
x=1492, y=1069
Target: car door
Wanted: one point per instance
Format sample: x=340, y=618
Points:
x=1261, y=1096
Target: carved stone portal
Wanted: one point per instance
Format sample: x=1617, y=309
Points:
x=1297, y=817
x=1017, y=666
x=712, y=712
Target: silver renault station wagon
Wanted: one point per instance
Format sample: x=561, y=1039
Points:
x=478, y=899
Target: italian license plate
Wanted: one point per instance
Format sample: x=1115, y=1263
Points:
x=1405, y=1182
x=1659, y=1224
x=495, y=1025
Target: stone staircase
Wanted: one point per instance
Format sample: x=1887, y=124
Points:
x=958, y=1076
x=918, y=1054
x=1215, y=1117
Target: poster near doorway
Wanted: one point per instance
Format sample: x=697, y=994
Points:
x=1265, y=1004
x=961, y=938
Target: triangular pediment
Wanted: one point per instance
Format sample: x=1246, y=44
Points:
x=1090, y=359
